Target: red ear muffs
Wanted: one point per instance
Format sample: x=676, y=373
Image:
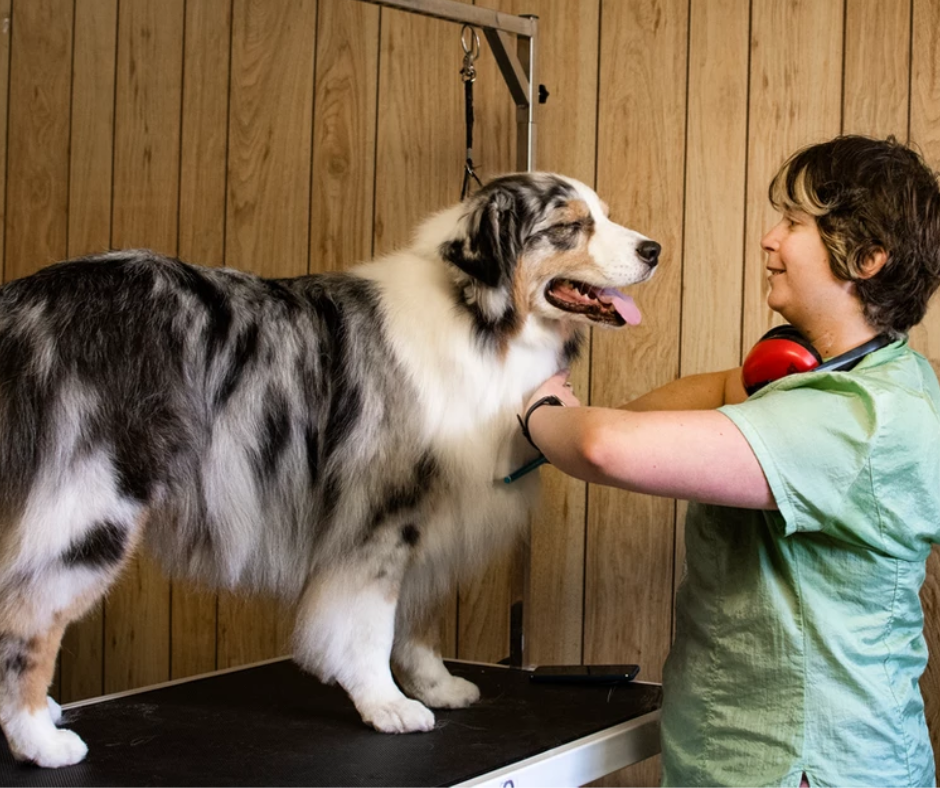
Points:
x=783, y=351
x=780, y=352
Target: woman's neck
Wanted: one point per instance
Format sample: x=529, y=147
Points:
x=837, y=338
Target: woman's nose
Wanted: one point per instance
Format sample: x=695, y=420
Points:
x=769, y=242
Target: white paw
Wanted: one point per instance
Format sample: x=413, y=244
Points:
x=398, y=716
x=55, y=710
x=451, y=693
x=52, y=750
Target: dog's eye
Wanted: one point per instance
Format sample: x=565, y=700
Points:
x=564, y=234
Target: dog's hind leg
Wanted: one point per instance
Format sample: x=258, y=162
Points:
x=45, y=585
x=28, y=715
x=36, y=609
x=416, y=657
x=421, y=672
x=345, y=630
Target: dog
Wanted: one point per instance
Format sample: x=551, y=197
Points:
x=337, y=439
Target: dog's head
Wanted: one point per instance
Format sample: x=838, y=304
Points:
x=542, y=244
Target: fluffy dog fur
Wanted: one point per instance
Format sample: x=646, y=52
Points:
x=338, y=439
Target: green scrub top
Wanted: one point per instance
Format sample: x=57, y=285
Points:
x=799, y=636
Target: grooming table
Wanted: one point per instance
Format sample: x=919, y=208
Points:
x=271, y=724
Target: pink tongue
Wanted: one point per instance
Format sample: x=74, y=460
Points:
x=623, y=304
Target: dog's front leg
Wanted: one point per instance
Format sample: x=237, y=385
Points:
x=344, y=633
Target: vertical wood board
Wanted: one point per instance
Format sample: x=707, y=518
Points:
x=270, y=133
x=40, y=84
x=342, y=191
x=5, y=33
x=877, y=69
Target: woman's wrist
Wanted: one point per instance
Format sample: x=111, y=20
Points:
x=524, y=420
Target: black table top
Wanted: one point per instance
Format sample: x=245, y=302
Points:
x=275, y=725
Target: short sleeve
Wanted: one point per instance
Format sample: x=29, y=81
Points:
x=813, y=439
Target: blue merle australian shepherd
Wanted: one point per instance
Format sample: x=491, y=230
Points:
x=337, y=439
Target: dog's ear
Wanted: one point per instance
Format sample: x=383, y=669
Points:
x=492, y=237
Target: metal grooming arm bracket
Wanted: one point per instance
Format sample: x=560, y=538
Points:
x=517, y=63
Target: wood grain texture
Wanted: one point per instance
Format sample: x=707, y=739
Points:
x=930, y=681
x=204, y=131
x=795, y=100
x=40, y=84
x=146, y=200
x=925, y=134
x=251, y=629
x=203, y=144
x=716, y=166
x=89, y=231
x=641, y=164
x=420, y=135
x=270, y=132
x=5, y=28
x=92, y=127
x=342, y=190
x=147, y=123
x=877, y=68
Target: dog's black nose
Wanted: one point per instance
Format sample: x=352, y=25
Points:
x=648, y=252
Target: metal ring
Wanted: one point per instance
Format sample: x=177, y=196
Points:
x=471, y=48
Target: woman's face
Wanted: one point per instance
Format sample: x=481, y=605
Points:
x=803, y=287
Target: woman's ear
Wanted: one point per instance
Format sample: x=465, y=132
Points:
x=873, y=263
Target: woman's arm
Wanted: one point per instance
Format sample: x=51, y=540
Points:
x=694, y=392
x=697, y=455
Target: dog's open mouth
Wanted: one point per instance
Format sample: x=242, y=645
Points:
x=600, y=304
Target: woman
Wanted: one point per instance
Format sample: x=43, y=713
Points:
x=816, y=500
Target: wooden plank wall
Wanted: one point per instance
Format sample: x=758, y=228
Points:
x=286, y=136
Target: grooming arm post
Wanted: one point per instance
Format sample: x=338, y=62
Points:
x=519, y=71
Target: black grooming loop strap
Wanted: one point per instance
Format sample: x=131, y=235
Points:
x=551, y=399
x=471, y=51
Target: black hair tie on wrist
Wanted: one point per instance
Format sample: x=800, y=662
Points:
x=551, y=399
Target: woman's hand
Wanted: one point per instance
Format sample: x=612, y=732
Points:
x=556, y=385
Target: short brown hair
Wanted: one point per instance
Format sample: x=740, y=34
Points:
x=868, y=194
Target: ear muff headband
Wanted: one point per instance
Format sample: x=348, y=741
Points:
x=785, y=351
